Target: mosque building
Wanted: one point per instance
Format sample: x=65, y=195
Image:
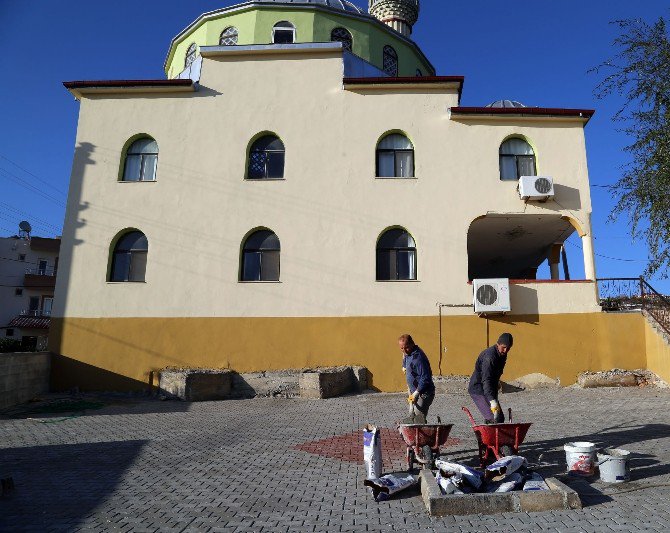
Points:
x=301, y=189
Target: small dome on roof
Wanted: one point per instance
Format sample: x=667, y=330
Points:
x=506, y=103
x=340, y=5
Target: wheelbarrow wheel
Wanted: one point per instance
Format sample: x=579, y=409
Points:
x=428, y=457
x=506, y=451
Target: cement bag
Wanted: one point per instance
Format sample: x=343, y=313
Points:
x=386, y=486
x=449, y=485
x=510, y=483
x=372, y=451
x=505, y=467
x=470, y=475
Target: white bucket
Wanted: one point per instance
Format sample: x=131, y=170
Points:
x=581, y=458
x=613, y=465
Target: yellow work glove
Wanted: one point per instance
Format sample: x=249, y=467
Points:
x=495, y=407
x=410, y=399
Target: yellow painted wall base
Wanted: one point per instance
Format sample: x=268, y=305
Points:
x=120, y=353
x=658, y=352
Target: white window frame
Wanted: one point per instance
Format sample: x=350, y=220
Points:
x=284, y=28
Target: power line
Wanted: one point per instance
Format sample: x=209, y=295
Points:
x=39, y=221
x=608, y=257
x=33, y=175
x=30, y=187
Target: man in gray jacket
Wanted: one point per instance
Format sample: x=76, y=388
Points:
x=485, y=380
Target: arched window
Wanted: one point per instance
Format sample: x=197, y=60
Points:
x=516, y=159
x=283, y=33
x=190, y=55
x=266, y=158
x=260, y=257
x=395, y=157
x=396, y=256
x=129, y=259
x=390, y=61
x=141, y=160
x=228, y=36
x=342, y=35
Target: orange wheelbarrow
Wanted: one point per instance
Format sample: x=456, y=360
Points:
x=423, y=442
x=497, y=440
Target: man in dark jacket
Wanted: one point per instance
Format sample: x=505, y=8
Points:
x=419, y=376
x=485, y=380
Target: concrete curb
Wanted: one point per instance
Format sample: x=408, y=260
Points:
x=437, y=504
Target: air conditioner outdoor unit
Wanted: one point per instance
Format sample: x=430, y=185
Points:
x=536, y=187
x=491, y=295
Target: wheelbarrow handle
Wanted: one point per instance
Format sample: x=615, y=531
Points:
x=467, y=412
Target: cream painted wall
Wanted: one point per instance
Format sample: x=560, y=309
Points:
x=328, y=212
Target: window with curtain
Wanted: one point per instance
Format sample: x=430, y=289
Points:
x=129, y=258
x=395, y=157
x=266, y=158
x=343, y=36
x=260, y=257
x=396, y=256
x=390, y=61
x=190, y=55
x=141, y=160
x=228, y=36
x=283, y=33
x=516, y=159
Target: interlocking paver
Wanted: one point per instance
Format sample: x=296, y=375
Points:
x=256, y=465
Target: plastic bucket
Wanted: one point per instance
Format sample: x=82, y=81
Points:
x=581, y=458
x=613, y=466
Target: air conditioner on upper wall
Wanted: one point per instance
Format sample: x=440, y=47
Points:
x=491, y=295
x=536, y=187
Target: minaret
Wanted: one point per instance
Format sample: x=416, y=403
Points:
x=399, y=14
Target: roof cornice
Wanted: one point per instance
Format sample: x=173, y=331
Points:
x=87, y=87
x=407, y=82
x=523, y=113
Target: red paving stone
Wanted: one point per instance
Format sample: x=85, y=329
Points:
x=349, y=447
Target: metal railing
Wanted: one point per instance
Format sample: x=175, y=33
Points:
x=634, y=294
x=41, y=313
x=50, y=271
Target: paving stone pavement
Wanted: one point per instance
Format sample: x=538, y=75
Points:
x=145, y=465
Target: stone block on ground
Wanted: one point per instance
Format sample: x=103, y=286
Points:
x=196, y=384
x=437, y=504
x=618, y=378
x=329, y=382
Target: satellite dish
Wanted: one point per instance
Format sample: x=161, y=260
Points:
x=24, y=225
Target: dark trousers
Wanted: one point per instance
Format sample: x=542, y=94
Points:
x=420, y=407
x=485, y=409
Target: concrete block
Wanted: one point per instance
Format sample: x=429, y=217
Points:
x=361, y=379
x=438, y=504
x=196, y=385
x=327, y=382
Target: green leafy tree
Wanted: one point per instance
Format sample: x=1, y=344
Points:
x=640, y=72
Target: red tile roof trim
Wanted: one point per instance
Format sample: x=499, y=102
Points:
x=404, y=79
x=85, y=84
x=28, y=322
x=542, y=111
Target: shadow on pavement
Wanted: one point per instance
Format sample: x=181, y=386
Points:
x=55, y=487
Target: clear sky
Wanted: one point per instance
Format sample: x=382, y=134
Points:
x=537, y=52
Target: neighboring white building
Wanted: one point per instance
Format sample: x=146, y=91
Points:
x=28, y=267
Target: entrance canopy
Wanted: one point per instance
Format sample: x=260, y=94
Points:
x=514, y=246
